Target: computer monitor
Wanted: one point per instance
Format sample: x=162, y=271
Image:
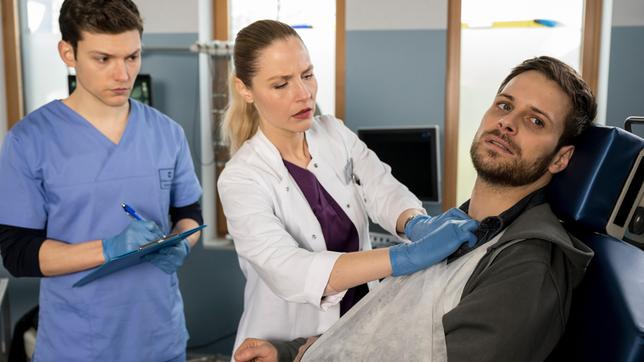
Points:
x=413, y=155
x=141, y=90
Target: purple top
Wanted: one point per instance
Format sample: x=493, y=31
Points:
x=339, y=232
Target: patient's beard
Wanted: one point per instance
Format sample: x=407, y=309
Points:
x=516, y=172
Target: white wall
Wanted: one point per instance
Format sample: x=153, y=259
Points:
x=401, y=15
x=169, y=16
x=44, y=73
x=319, y=39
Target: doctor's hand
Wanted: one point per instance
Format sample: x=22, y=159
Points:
x=422, y=225
x=256, y=350
x=434, y=239
x=171, y=258
x=137, y=233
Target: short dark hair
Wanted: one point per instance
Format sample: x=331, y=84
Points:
x=97, y=16
x=584, y=107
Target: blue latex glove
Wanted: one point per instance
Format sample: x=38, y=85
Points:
x=137, y=233
x=171, y=258
x=434, y=239
x=421, y=225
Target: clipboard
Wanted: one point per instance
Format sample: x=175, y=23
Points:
x=135, y=257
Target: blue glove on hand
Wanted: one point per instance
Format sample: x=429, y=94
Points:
x=434, y=239
x=137, y=233
x=171, y=258
x=421, y=225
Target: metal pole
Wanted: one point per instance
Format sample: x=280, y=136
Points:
x=207, y=158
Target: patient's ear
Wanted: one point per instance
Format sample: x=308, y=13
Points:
x=561, y=159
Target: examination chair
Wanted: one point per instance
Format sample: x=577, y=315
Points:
x=606, y=320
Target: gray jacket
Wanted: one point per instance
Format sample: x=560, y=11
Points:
x=515, y=305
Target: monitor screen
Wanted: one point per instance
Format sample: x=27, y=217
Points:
x=141, y=90
x=412, y=154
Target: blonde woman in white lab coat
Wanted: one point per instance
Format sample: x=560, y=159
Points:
x=296, y=194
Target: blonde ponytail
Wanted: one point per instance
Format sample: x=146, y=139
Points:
x=240, y=120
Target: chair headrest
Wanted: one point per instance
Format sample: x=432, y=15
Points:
x=587, y=190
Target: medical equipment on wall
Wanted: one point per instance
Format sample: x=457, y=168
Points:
x=219, y=63
x=413, y=153
x=220, y=56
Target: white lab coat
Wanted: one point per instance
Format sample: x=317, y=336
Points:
x=278, y=239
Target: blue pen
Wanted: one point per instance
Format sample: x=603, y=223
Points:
x=130, y=211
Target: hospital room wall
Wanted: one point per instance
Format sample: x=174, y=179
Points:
x=395, y=65
x=626, y=69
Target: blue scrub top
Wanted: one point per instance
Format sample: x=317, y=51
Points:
x=59, y=173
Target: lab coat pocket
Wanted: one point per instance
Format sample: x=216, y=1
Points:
x=360, y=190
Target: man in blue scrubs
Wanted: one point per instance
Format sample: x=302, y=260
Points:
x=64, y=171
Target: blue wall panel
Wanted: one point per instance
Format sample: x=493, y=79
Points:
x=396, y=78
x=625, y=75
x=175, y=82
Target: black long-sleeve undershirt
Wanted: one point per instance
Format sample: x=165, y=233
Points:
x=20, y=246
